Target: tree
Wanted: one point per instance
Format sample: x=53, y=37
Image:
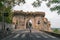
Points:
x=56, y=7
x=56, y=30
x=5, y=10
x=6, y=7
x=37, y=3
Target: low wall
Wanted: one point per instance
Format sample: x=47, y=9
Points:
x=7, y=25
x=5, y=33
x=53, y=34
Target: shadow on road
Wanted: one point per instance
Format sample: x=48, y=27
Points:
x=28, y=36
x=31, y=36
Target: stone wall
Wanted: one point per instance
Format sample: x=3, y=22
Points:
x=10, y=26
x=39, y=22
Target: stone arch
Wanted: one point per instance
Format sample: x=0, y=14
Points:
x=30, y=19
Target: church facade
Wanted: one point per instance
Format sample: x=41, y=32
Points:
x=37, y=19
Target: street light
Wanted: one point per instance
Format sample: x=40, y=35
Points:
x=3, y=20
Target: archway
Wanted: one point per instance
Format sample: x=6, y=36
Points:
x=27, y=23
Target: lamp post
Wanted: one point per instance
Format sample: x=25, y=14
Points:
x=5, y=14
x=3, y=26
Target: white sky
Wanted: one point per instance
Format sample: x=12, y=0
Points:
x=53, y=17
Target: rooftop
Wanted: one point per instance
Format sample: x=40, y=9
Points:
x=29, y=13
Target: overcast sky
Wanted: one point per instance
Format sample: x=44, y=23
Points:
x=53, y=17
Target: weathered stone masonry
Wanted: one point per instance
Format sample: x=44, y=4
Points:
x=39, y=22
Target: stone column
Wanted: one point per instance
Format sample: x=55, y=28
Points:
x=26, y=20
x=34, y=23
x=42, y=24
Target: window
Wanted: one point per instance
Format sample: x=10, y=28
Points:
x=38, y=22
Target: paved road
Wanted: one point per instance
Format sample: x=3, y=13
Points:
x=35, y=35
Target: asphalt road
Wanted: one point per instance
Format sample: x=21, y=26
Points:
x=26, y=35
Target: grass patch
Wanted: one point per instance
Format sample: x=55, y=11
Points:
x=56, y=30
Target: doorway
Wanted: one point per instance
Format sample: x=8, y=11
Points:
x=29, y=24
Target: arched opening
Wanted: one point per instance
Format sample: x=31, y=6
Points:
x=16, y=24
x=29, y=24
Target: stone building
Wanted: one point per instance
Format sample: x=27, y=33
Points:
x=37, y=19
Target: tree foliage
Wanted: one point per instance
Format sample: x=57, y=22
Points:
x=36, y=3
x=56, y=7
x=6, y=5
x=6, y=9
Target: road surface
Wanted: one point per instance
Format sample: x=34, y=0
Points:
x=26, y=35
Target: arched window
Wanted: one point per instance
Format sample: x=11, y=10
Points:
x=38, y=22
